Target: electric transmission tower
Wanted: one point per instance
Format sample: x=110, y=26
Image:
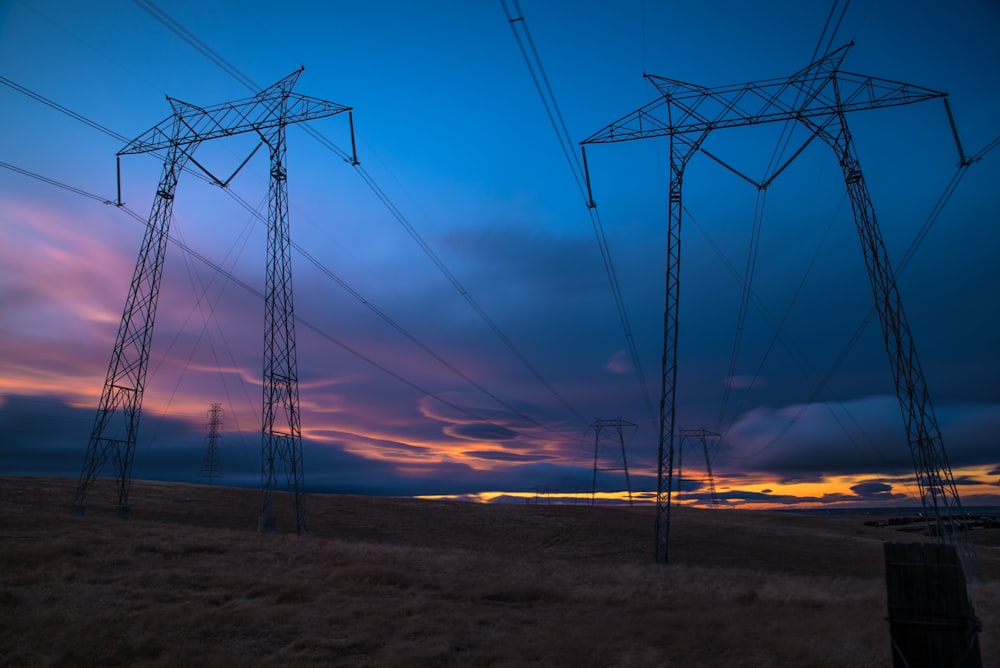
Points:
x=211, y=469
x=616, y=425
x=700, y=436
x=114, y=433
x=819, y=97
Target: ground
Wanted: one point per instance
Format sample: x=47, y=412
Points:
x=404, y=582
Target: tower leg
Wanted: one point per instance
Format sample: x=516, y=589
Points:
x=598, y=425
x=281, y=446
x=681, y=150
x=936, y=484
x=619, y=423
x=117, y=420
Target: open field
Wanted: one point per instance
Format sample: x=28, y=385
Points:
x=402, y=582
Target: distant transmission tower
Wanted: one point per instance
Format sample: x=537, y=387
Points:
x=819, y=97
x=700, y=436
x=606, y=426
x=114, y=433
x=211, y=470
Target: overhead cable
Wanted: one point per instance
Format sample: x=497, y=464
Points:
x=526, y=45
x=771, y=172
x=44, y=100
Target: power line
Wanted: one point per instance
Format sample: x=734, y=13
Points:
x=836, y=28
x=55, y=183
x=44, y=100
x=758, y=220
x=780, y=147
x=201, y=290
x=779, y=325
x=826, y=26
x=87, y=121
x=774, y=323
x=192, y=40
x=541, y=80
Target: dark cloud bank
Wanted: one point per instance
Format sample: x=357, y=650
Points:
x=46, y=436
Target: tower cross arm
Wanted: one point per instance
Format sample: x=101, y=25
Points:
x=689, y=109
x=256, y=114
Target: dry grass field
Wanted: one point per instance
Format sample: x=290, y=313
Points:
x=402, y=582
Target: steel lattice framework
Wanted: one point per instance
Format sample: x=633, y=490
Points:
x=211, y=469
x=818, y=96
x=114, y=433
x=700, y=436
x=616, y=424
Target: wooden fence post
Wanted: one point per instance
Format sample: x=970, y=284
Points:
x=931, y=620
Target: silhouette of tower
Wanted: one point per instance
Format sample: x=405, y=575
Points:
x=115, y=426
x=608, y=429
x=700, y=437
x=818, y=96
x=211, y=469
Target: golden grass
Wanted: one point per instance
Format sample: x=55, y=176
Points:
x=397, y=582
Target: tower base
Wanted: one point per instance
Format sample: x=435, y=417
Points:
x=265, y=524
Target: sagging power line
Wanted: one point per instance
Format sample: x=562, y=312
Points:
x=526, y=45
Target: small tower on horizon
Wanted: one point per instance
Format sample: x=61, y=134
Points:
x=699, y=436
x=609, y=462
x=211, y=469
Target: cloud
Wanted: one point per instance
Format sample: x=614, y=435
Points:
x=871, y=488
x=968, y=481
x=480, y=432
x=738, y=496
x=869, y=492
x=689, y=485
x=503, y=456
x=46, y=436
x=808, y=442
x=876, y=491
x=618, y=364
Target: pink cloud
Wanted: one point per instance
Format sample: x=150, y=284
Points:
x=618, y=364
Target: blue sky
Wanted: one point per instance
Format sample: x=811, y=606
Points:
x=450, y=127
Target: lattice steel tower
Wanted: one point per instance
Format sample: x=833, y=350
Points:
x=114, y=433
x=819, y=97
x=615, y=426
x=700, y=436
x=211, y=468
